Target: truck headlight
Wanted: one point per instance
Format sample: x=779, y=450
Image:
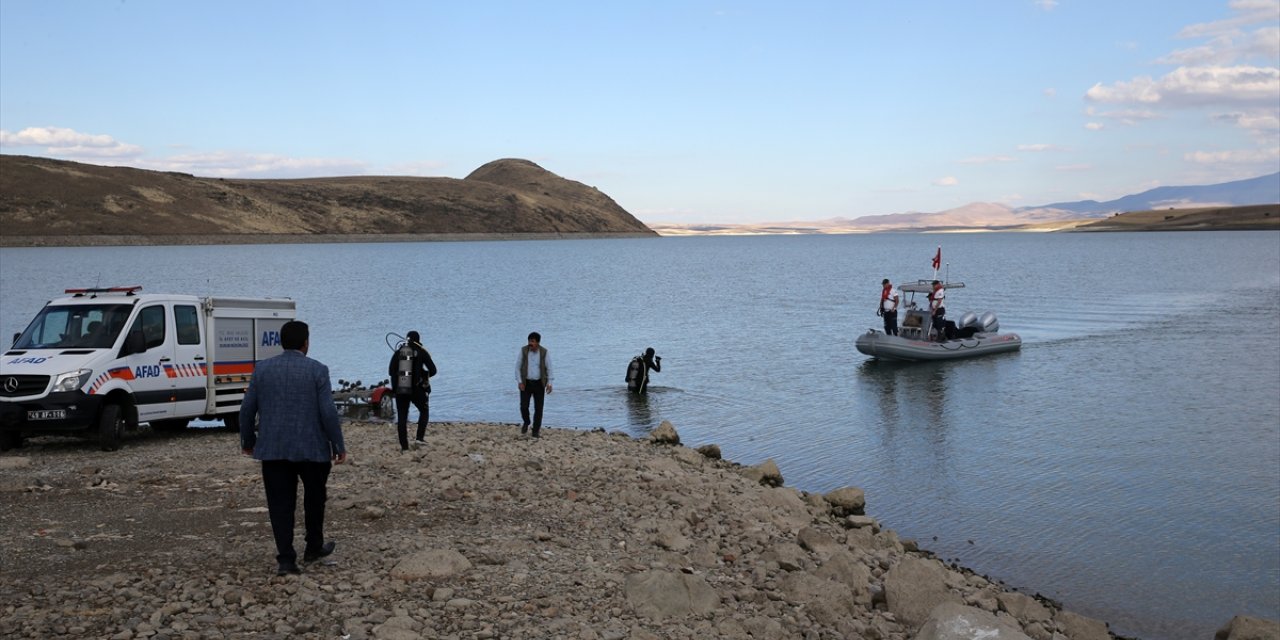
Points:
x=71, y=380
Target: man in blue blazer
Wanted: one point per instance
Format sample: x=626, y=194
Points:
x=289, y=422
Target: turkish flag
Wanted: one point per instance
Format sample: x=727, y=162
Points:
x=937, y=259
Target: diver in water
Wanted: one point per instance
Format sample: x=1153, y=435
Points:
x=638, y=370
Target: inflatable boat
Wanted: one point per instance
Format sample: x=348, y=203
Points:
x=972, y=335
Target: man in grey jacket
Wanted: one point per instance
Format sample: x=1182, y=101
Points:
x=296, y=436
x=533, y=377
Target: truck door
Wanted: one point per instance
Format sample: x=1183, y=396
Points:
x=188, y=373
x=152, y=389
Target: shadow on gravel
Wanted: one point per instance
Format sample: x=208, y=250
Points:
x=144, y=436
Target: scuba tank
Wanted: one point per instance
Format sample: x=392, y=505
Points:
x=635, y=374
x=404, y=369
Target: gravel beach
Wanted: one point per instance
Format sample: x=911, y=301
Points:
x=483, y=533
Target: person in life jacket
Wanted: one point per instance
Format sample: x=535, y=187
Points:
x=533, y=376
x=888, y=308
x=638, y=370
x=411, y=369
x=938, y=305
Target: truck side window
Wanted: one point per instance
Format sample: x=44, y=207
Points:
x=187, y=324
x=151, y=322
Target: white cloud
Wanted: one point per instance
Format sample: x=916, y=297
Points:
x=1047, y=5
x=1124, y=116
x=1247, y=12
x=1141, y=89
x=69, y=143
x=1204, y=54
x=1036, y=148
x=1213, y=85
x=988, y=159
x=1194, y=86
x=1094, y=126
x=949, y=181
x=1254, y=121
x=1051, y=92
x=1233, y=71
x=1074, y=167
x=422, y=168
x=1236, y=156
x=245, y=165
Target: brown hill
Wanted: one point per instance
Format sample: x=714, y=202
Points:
x=61, y=202
x=1241, y=218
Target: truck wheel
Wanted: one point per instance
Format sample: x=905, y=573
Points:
x=110, y=427
x=10, y=440
x=177, y=424
x=231, y=422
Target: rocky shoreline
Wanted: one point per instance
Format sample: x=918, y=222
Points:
x=481, y=534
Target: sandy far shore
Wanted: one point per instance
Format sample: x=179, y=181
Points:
x=288, y=238
x=482, y=533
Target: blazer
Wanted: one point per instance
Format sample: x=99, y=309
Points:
x=292, y=399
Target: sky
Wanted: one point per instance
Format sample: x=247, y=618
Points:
x=682, y=111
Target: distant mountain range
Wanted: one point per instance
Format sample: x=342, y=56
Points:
x=1262, y=190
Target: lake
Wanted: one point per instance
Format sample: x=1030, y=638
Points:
x=1125, y=462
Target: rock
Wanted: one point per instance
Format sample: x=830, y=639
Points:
x=434, y=563
x=818, y=542
x=785, y=508
x=847, y=501
x=711, y=451
x=861, y=522
x=14, y=462
x=826, y=600
x=952, y=621
x=789, y=556
x=914, y=587
x=843, y=567
x=766, y=473
x=1078, y=627
x=1249, y=628
x=1023, y=607
x=659, y=594
x=670, y=538
x=665, y=434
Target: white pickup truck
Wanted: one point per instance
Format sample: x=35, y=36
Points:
x=97, y=362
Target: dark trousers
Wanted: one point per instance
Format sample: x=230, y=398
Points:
x=421, y=400
x=532, y=389
x=940, y=323
x=280, y=479
x=890, y=322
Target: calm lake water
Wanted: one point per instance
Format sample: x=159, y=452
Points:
x=1126, y=462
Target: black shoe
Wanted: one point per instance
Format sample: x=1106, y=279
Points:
x=288, y=568
x=312, y=556
x=537, y=434
x=524, y=429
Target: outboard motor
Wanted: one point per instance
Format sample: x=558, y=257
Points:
x=988, y=322
x=969, y=319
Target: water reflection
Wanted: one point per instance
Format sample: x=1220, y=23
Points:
x=912, y=403
x=639, y=413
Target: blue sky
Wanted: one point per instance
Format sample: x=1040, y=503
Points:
x=681, y=111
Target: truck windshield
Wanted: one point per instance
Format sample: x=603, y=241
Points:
x=84, y=326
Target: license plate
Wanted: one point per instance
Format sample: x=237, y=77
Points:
x=51, y=414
